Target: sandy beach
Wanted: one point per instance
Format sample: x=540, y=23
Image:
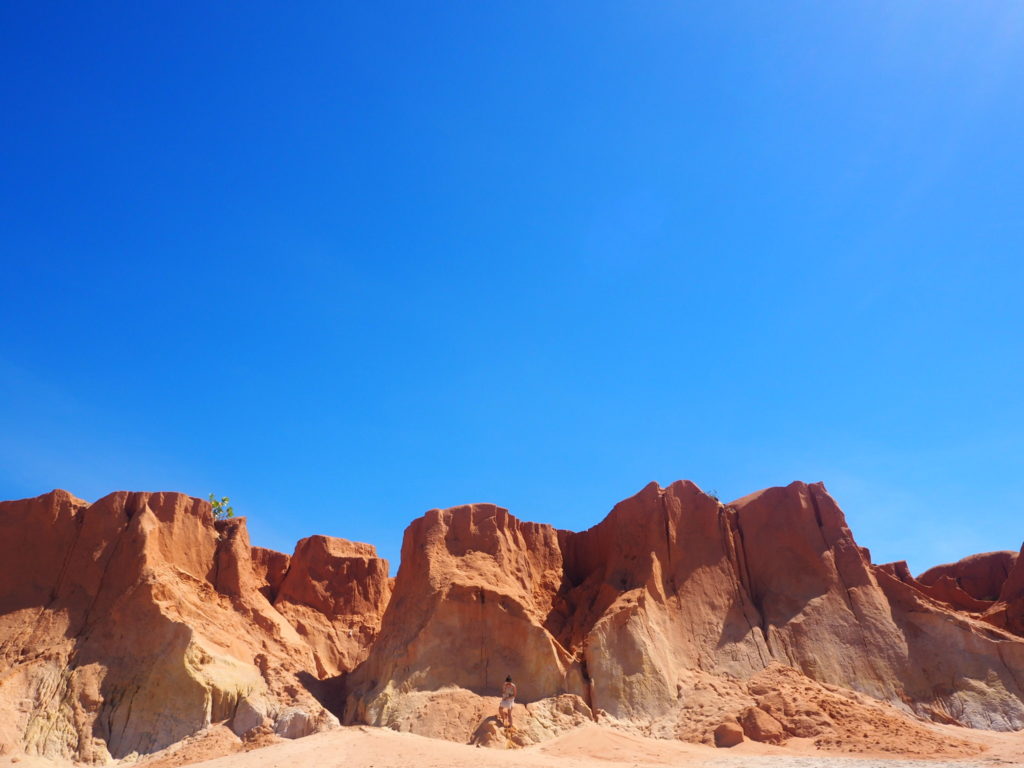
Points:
x=590, y=746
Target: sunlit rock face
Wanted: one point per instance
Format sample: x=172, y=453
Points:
x=672, y=587
x=132, y=623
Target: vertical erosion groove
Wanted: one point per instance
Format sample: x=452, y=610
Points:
x=745, y=592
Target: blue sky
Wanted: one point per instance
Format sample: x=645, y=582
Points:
x=345, y=262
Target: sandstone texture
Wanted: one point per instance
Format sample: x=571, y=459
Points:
x=670, y=590
x=989, y=586
x=130, y=624
x=1009, y=609
x=139, y=622
x=980, y=576
x=728, y=735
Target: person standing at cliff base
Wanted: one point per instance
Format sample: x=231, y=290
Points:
x=508, y=698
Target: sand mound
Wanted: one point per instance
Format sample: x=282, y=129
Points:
x=779, y=705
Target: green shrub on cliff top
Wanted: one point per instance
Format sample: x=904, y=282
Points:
x=221, y=509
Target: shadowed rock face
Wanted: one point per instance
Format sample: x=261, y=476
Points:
x=1012, y=596
x=334, y=593
x=129, y=624
x=980, y=576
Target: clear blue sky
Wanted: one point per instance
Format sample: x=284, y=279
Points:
x=345, y=262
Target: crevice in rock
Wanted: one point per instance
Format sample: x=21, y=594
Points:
x=729, y=520
x=668, y=532
x=284, y=580
x=100, y=588
x=829, y=548
x=862, y=621
x=484, y=660
x=588, y=685
x=62, y=574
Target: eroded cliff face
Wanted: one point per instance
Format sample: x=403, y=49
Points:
x=979, y=576
x=334, y=593
x=130, y=624
x=1009, y=609
x=987, y=586
x=672, y=589
x=471, y=599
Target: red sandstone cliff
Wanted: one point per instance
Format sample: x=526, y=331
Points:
x=634, y=615
x=1011, y=598
x=131, y=623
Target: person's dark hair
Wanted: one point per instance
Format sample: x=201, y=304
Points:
x=508, y=679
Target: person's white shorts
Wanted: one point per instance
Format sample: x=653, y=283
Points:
x=506, y=703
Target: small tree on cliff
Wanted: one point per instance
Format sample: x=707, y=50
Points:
x=221, y=509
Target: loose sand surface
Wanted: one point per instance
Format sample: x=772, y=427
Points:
x=591, y=746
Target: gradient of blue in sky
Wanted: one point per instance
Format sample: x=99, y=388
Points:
x=345, y=262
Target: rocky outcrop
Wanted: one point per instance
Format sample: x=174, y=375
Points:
x=471, y=599
x=670, y=587
x=132, y=623
x=1011, y=597
x=942, y=589
x=980, y=576
x=334, y=593
x=830, y=614
x=269, y=568
x=989, y=586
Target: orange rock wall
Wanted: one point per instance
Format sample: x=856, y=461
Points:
x=670, y=585
x=128, y=624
